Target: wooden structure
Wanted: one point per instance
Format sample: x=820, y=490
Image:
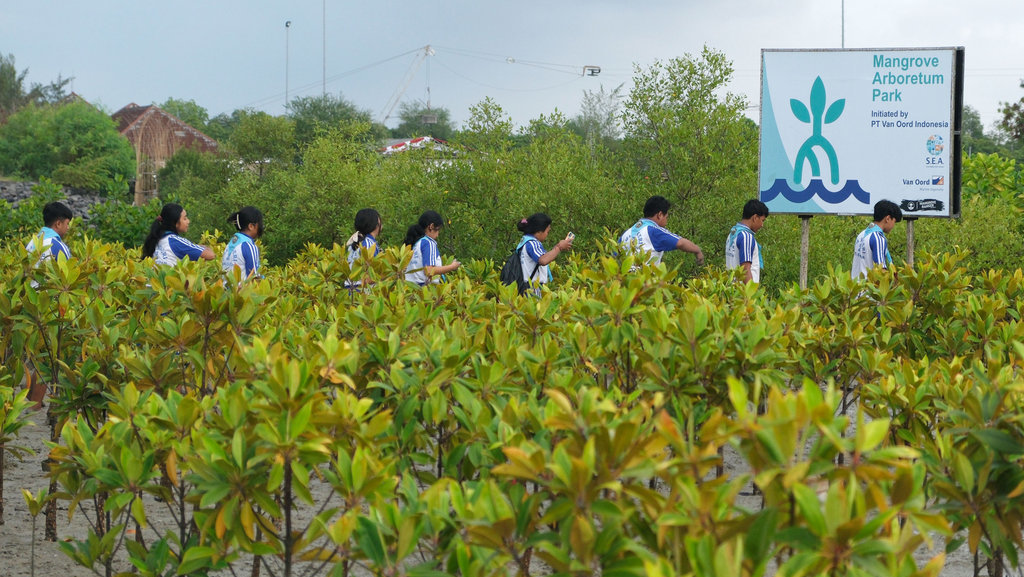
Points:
x=156, y=135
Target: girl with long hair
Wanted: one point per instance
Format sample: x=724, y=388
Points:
x=165, y=245
x=425, y=266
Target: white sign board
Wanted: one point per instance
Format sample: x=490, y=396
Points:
x=843, y=129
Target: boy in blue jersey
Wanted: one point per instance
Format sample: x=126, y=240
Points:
x=649, y=234
x=50, y=244
x=56, y=222
x=871, y=248
x=741, y=248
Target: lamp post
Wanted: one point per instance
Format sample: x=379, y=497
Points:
x=287, y=29
x=325, y=47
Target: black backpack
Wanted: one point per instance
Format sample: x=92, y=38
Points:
x=512, y=272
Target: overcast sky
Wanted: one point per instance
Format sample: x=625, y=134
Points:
x=527, y=55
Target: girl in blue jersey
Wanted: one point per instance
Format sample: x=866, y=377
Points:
x=368, y=225
x=425, y=266
x=165, y=243
x=533, y=257
x=242, y=252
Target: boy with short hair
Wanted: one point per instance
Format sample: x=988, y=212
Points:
x=56, y=222
x=649, y=234
x=741, y=248
x=871, y=248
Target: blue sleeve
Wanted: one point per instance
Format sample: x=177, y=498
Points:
x=426, y=253
x=58, y=248
x=879, y=247
x=745, y=247
x=534, y=249
x=251, y=256
x=183, y=248
x=662, y=240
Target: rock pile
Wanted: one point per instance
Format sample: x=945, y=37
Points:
x=79, y=201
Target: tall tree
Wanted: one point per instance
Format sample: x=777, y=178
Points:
x=221, y=127
x=314, y=114
x=188, y=112
x=262, y=140
x=416, y=119
x=12, y=89
x=598, y=120
x=687, y=135
x=1013, y=118
x=488, y=127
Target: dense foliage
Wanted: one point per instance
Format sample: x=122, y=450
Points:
x=74, y=144
x=464, y=430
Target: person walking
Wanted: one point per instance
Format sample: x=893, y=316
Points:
x=741, y=248
x=426, y=266
x=650, y=236
x=534, y=258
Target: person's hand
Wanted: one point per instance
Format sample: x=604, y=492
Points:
x=455, y=264
x=700, y=257
x=565, y=243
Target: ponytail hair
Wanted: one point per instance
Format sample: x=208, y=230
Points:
x=367, y=221
x=536, y=222
x=167, y=221
x=419, y=230
x=245, y=216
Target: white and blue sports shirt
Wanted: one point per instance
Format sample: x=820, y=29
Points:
x=648, y=237
x=51, y=244
x=171, y=248
x=870, y=249
x=424, y=253
x=530, y=260
x=741, y=247
x=243, y=253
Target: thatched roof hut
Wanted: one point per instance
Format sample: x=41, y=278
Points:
x=156, y=136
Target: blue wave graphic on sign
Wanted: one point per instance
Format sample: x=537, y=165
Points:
x=816, y=188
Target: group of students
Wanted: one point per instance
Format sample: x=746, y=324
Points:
x=165, y=243
x=649, y=236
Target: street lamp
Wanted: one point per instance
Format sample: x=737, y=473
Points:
x=287, y=28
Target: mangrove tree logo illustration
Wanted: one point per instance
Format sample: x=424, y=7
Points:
x=816, y=116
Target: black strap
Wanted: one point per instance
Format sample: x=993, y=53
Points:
x=536, y=267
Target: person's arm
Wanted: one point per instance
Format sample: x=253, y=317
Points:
x=747, y=276
x=549, y=256
x=436, y=270
x=183, y=248
x=878, y=246
x=250, y=256
x=687, y=246
x=745, y=249
x=428, y=251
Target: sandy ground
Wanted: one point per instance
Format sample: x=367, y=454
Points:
x=16, y=532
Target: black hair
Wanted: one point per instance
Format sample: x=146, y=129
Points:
x=245, y=216
x=753, y=208
x=419, y=230
x=55, y=211
x=536, y=222
x=167, y=221
x=367, y=221
x=656, y=204
x=884, y=208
